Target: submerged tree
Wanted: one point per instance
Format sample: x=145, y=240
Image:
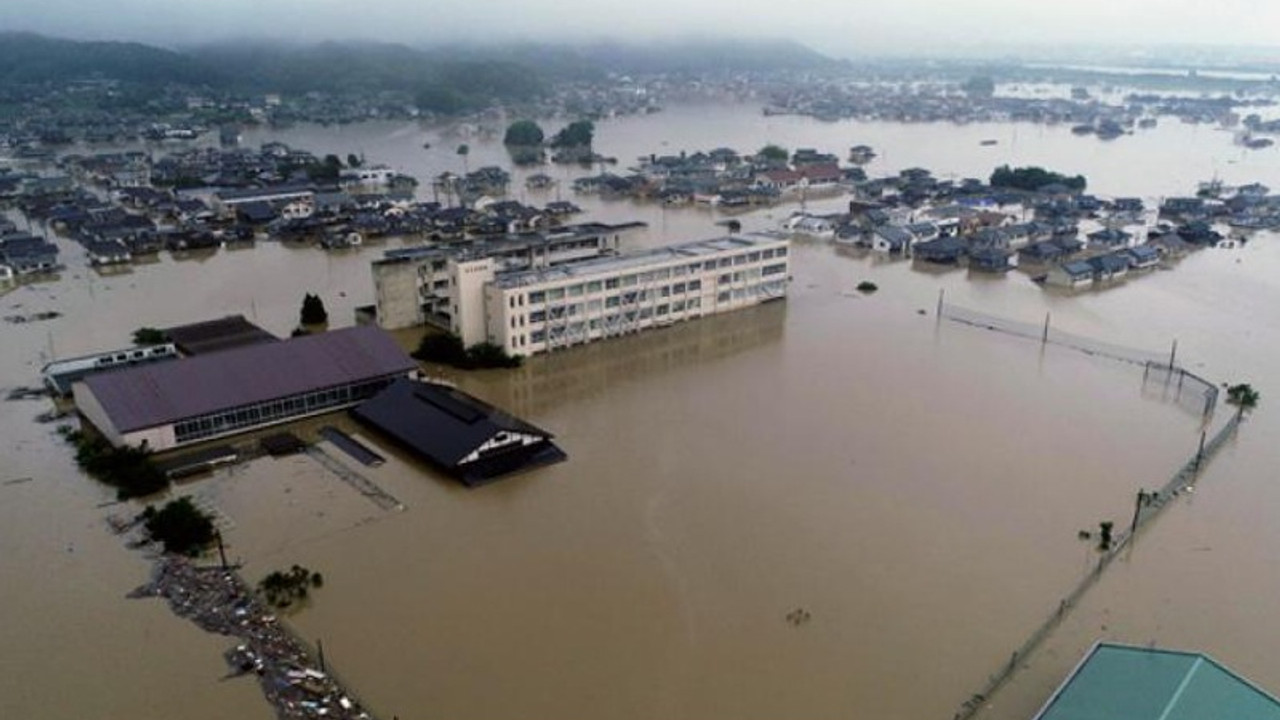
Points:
x=1243, y=396
x=148, y=336
x=282, y=589
x=577, y=134
x=773, y=153
x=181, y=526
x=523, y=133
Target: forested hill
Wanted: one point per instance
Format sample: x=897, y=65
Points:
x=28, y=58
x=444, y=78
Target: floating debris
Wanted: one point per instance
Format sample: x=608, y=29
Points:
x=218, y=601
x=798, y=617
x=33, y=317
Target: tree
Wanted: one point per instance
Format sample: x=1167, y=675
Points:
x=979, y=86
x=313, y=312
x=447, y=349
x=523, y=133
x=577, y=134
x=180, y=526
x=464, y=150
x=1032, y=179
x=128, y=469
x=1104, y=535
x=354, y=160
x=282, y=589
x=773, y=153
x=328, y=169
x=1243, y=396
x=149, y=336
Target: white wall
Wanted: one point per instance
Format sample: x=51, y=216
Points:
x=466, y=294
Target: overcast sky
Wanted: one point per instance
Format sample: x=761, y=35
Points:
x=838, y=27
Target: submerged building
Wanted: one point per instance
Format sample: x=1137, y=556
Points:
x=456, y=432
x=417, y=286
x=1121, y=682
x=181, y=402
x=542, y=299
x=540, y=310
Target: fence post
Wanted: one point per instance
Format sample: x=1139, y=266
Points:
x=1044, y=338
x=1173, y=354
x=941, y=291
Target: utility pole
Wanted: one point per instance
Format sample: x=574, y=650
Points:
x=320, y=653
x=1044, y=337
x=1137, y=509
x=1200, y=451
x=1173, y=354
x=222, y=553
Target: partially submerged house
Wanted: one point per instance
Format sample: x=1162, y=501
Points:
x=460, y=434
x=1074, y=274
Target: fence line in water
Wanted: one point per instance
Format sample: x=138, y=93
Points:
x=1180, y=385
x=1148, y=507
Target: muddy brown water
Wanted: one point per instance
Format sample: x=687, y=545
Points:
x=914, y=487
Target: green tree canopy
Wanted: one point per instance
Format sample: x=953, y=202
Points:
x=773, y=153
x=148, y=336
x=523, y=133
x=979, y=86
x=579, y=134
x=1243, y=396
x=1034, y=178
x=180, y=526
x=313, y=312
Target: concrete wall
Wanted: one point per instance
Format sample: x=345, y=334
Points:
x=395, y=288
x=466, y=293
x=91, y=410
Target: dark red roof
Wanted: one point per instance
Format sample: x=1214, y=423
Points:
x=149, y=395
x=822, y=172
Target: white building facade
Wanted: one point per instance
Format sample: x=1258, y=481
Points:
x=424, y=285
x=537, y=311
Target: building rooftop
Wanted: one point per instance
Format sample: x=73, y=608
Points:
x=456, y=431
x=151, y=395
x=638, y=260
x=214, y=335
x=509, y=244
x=1119, y=682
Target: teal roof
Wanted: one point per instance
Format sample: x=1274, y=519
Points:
x=1119, y=682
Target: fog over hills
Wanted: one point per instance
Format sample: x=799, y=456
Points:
x=839, y=28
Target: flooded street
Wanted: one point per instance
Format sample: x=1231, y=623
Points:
x=913, y=487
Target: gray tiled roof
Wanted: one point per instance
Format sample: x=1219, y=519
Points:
x=151, y=395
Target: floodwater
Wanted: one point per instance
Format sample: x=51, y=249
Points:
x=914, y=487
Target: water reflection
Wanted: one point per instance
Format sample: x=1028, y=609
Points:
x=545, y=382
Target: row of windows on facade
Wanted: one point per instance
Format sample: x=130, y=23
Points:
x=273, y=410
x=537, y=297
x=440, y=265
x=623, y=319
x=640, y=296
